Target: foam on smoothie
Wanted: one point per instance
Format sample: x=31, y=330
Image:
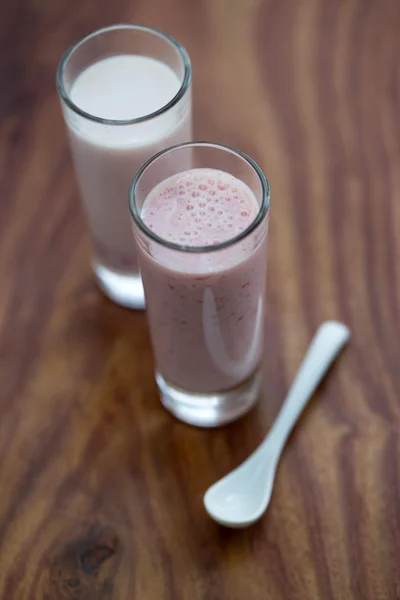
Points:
x=200, y=207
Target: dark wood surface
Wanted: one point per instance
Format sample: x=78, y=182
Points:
x=100, y=489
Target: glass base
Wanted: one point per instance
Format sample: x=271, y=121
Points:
x=210, y=410
x=123, y=288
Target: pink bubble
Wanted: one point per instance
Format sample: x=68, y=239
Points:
x=202, y=204
x=211, y=209
x=244, y=213
x=221, y=187
x=220, y=212
x=202, y=187
x=189, y=207
x=195, y=194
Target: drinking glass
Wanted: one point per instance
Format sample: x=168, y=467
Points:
x=107, y=152
x=205, y=303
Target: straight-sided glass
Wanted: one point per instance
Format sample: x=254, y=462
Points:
x=107, y=152
x=205, y=303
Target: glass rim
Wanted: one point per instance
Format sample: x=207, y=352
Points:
x=187, y=75
x=263, y=211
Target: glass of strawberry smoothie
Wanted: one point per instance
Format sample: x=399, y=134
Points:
x=201, y=237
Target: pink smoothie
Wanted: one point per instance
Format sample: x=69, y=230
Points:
x=108, y=156
x=206, y=310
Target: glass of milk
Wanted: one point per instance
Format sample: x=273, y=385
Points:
x=201, y=236
x=125, y=92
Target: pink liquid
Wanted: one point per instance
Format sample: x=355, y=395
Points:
x=108, y=156
x=205, y=309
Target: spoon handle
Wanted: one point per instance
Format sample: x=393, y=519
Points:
x=325, y=346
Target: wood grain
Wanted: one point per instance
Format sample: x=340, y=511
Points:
x=101, y=490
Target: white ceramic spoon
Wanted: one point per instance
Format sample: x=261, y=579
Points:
x=241, y=497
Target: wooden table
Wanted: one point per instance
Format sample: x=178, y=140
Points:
x=100, y=489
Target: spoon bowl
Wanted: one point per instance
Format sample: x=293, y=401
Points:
x=229, y=502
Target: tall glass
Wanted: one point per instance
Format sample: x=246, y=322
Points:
x=205, y=303
x=108, y=151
